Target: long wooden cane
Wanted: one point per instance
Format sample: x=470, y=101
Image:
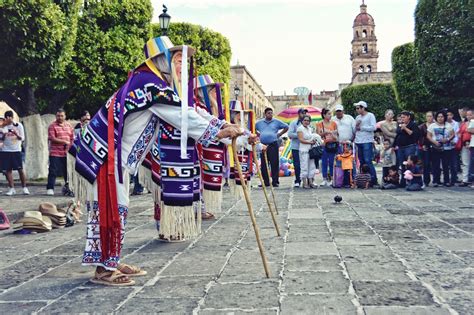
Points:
x=250, y=209
x=275, y=223
x=271, y=186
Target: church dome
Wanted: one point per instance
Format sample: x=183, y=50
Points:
x=363, y=19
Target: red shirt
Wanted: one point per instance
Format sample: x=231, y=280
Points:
x=63, y=132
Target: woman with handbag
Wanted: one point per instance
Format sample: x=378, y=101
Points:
x=440, y=134
x=327, y=129
x=308, y=140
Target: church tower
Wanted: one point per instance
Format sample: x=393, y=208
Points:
x=364, y=52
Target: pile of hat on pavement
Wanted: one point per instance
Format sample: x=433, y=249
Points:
x=46, y=218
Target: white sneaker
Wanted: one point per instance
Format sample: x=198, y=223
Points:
x=324, y=183
x=11, y=192
x=423, y=186
x=50, y=192
x=26, y=191
x=296, y=185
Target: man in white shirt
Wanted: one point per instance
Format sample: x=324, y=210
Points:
x=364, y=138
x=346, y=125
x=11, y=152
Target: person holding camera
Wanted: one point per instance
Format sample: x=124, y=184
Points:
x=440, y=134
x=408, y=134
x=13, y=135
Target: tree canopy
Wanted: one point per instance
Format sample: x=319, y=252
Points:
x=409, y=89
x=213, y=50
x=379, y=97
x=444, y=44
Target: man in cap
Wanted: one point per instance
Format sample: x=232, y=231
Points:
x=153, y=101
x=13, y=136
x=346, y=125
x=364, y=138
x=295, y=144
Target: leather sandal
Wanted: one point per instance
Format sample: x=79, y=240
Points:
x=112, y=278
x=207, y=216
x=130, y=270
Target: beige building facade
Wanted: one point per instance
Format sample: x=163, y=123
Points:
x=320, y=100
x=251, y=93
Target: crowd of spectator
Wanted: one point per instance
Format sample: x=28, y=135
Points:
x=412, y=155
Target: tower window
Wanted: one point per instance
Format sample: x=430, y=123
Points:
x=361, y=68
x=364, y=33
x=364, y=48
x=357, y=34
x=369, y=68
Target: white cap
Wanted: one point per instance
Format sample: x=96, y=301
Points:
x=361, y=103
x=338, y=107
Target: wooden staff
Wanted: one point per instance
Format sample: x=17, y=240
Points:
x=249, y=207
x=275, y=223
x=271, y=186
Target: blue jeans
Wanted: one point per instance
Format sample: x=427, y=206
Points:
x=426, y=158
x=442, y=158
x=296, y=163
x=402, y=155
x=365, y=152
x=327, y=161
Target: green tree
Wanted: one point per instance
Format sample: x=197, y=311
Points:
x=110, y=40
x=36, y=46
x=444, y=44
x=410, y=91
x=379, y=98
x=213, y=50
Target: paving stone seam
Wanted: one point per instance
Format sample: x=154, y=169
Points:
x=437, y=298
x=231, y=252
x=351, y=290
x=81, y=285
x=448, y=223
x=281, y=289
x=154, y=280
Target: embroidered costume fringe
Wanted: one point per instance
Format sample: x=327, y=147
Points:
x=179, y=221
x=235, y=190
x=145, y=178
x=212, y=200
x=83, y=190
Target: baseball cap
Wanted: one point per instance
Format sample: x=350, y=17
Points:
x=361, y=103
x=302, y=110
x=338, y=107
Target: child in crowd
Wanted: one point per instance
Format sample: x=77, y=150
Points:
x=388, y=157
x=347, y=165
x=392, y=179
x=362, y=180
x=413, y=174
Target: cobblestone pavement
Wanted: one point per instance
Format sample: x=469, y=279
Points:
x=378, y=252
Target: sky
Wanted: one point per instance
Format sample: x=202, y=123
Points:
x=287, y=44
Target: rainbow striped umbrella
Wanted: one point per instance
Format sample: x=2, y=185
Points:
x=291, y=113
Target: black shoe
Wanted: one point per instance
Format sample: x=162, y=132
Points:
x=463, y=184
x=260, y=186
x=276, y=185
x=435, y=185
x=447, y=185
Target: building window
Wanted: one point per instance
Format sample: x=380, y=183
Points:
x=364, y=48
x=364, y=33
x=361, y=68
x=369, y=68
x=357, y=34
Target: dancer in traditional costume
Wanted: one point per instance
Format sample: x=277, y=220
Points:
x=147, y=105
x=244, y=119
x=212, y=157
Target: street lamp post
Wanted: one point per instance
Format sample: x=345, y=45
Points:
x=236, y=91
x=164, y=20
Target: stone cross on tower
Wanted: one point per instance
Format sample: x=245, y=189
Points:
x=364, y=52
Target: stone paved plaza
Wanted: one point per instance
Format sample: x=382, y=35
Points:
x=378, y=252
